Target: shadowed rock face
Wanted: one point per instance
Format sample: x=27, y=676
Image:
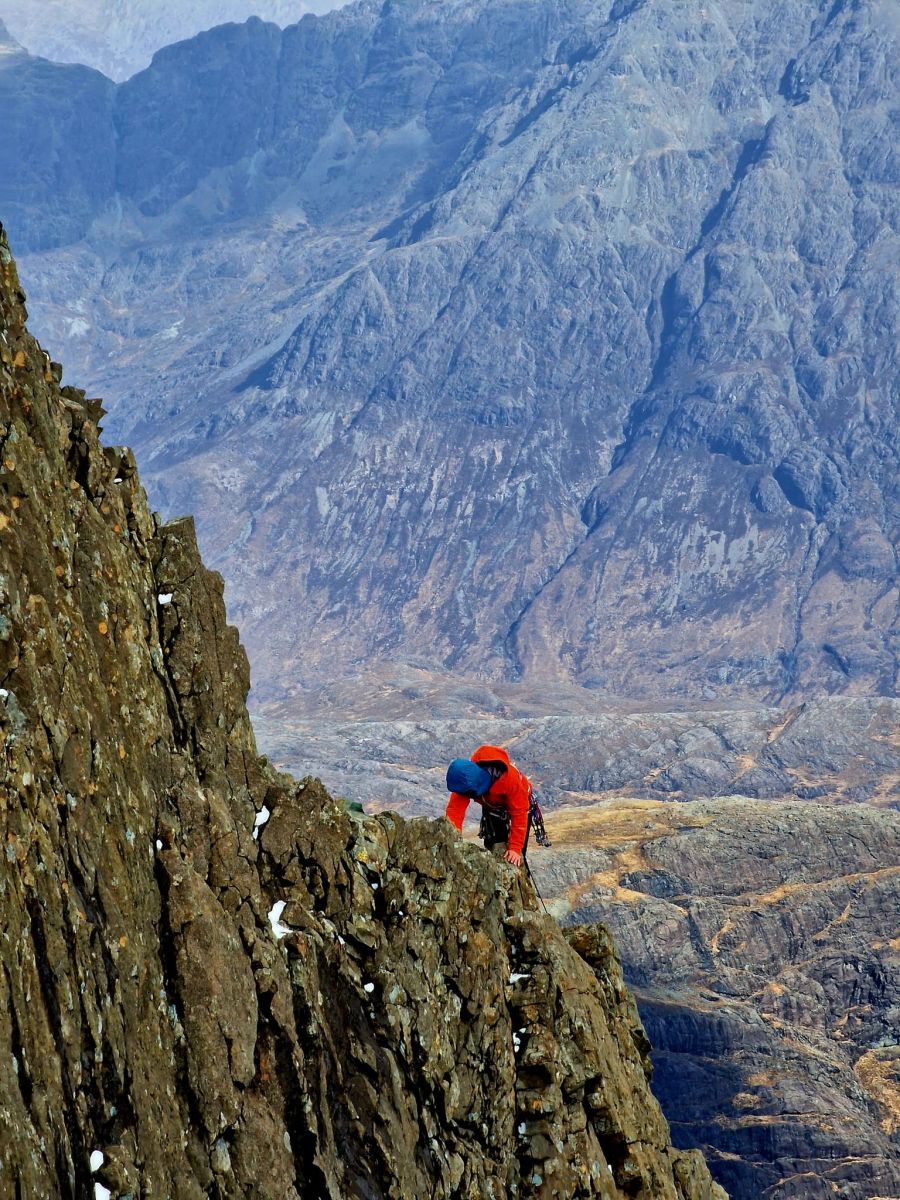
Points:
x=420, y=1028
x=762, y=940
x=549, y=341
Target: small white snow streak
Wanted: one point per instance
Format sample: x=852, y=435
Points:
x=369, y=987
x=278, y=929
x=165, y=598
x=101, y=1193
x=261, y=817
x=96, y=1160
x=516, y=977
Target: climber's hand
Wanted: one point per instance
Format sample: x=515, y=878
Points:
x=511, y=857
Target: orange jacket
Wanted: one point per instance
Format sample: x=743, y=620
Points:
x=511, y=793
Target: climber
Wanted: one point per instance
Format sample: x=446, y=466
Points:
x=490, y=779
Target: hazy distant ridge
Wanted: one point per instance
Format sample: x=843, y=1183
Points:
x=119, y=37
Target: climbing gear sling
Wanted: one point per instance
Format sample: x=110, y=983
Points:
x=536, y=820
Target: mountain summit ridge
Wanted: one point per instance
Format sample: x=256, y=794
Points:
x=119, y=37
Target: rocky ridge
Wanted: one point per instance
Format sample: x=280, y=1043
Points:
x=218, y=980
x=119, y=37
x=549, y=341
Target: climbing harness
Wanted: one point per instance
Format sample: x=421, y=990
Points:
x=494, y=830
x=494, y=827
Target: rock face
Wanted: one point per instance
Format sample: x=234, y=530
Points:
x=530, y=340
x=762, y=940
x=404, y=1021
x=119, y=37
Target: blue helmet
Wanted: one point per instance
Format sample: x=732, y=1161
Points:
x=465, y=776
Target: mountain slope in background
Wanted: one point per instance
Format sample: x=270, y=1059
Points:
x=119, y=37
x=526, y=340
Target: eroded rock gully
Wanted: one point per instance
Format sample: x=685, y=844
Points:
x=421, y=1030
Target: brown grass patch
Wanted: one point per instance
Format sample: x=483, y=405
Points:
x=785, y=890
x=613, y=825
x=879, y=1073
x=625, y=830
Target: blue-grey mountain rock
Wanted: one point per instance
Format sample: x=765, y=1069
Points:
x=533, y=340
x=59, y=145
x=119, y=37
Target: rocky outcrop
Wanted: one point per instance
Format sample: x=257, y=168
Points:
x=762, y=942
x=216, y=981
x=548, y=341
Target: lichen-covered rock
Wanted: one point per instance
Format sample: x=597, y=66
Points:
x=219, y=980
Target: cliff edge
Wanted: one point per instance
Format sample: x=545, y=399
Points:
x=217, y=980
